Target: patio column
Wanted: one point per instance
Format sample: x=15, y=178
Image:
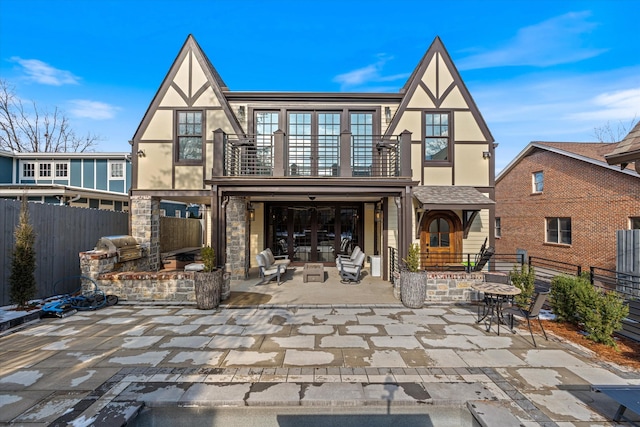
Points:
x=345, y=154
x=238, y=234
x=278, y=153
x=145, y=227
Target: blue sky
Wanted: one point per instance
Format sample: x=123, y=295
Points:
x=538, y=70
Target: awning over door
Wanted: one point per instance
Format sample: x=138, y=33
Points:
x=450, y=197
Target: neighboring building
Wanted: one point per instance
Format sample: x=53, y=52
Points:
x=561, y=201
x=91, y=180
x=312, y=175
x=627, y=151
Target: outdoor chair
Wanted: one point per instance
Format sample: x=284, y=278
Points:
x=482, y=258
x=350, y=272
x=533, y=312
x=349, y=259
x=269, y=270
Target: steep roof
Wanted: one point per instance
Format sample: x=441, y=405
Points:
x=590, y=152
x=627, y=150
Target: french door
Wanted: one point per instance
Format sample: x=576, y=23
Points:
x=313, y=233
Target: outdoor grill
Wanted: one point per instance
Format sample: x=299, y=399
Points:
x=126, y=248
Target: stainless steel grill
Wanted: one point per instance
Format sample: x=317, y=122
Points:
x=126, y=248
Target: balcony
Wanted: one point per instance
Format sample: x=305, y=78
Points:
x=318, y=156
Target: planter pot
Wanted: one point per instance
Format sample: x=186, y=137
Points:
x=208, y=287
x=413, y=288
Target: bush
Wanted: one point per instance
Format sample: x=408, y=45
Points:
x=412, y=262
x=22, y=280
x=601, y=314
x=208, y=258
x=566, y=291
x=524, y=279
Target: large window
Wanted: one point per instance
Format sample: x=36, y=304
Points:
x=538, y=182
x=190, y=136
x=436, y=142
x=559, y=230
x=362, y=148
x=266, y=125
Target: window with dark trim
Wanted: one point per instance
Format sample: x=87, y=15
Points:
x=559, y=230
x=538, y=182
x=634, y=223
x=498, y=232
x=437, y=137
x=189, y=136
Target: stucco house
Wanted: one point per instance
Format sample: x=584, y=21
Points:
x=313, y=174
x=561, y=201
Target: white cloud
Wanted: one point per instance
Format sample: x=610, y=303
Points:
x=616, y=105
x=370, y=74
x=92, y=109
x=558, y=40
x=43, y=73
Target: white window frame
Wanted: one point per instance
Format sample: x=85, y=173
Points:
x=34, y=166
x=66, y=170
x=50, y=170
x=113, y=163
x=535, y=183
x=177, y=213
x=558, y=221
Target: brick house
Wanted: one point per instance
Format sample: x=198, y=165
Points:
x=561, y=201
x=312, y=174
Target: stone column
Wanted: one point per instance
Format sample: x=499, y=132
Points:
x=145, y=227
x=238, y=234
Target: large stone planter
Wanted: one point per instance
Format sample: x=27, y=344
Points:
x=208, y=287
x=413, y=288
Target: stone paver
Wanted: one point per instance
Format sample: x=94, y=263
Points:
x=97, y=364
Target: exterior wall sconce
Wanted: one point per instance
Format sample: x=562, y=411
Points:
x=486, y=154
x=241, y=113
x=378, y=215
x=387, y=114
x=251, y=212
x=141, y=153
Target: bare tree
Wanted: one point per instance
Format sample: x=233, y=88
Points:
x=607, y=133
x=33, y=130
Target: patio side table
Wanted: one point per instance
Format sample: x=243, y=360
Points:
x=313, y=272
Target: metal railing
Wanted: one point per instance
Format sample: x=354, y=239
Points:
x=624, y=284
x=547, y=269
x=312, y=155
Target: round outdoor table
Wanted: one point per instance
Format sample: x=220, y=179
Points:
x=495, y=296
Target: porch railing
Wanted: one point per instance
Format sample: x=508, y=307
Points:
x=341, y=155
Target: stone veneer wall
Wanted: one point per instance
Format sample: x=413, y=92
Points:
x=130, y=280
x=238, y=238
x=452, y=286
x=145, y=227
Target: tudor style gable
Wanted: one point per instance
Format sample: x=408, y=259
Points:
x=446, y=125
x=174, y=142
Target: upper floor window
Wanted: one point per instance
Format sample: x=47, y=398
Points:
x=62, y=170
x=116, y=170
x=436, y=141
x=634, y=223
x=498, y=232
x=190, y=136
x=559, y=230
x=538, y=182
x=45, y=170
x=28, y=170
x=362, y=145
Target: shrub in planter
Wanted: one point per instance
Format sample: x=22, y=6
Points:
x=413, y=282
x=208, y=282
x=524, y=279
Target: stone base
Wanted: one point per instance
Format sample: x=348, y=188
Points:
x=149, y=286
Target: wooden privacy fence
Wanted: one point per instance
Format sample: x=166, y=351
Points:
x=62, y=232
x=178, y=233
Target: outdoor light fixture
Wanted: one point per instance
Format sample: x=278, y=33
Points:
x=378, y=215
x=251, y=211
x=486, y=154
x=141, y=153
x=241, y=113
x=387, y=113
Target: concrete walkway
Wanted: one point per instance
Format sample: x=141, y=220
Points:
x=100, y=368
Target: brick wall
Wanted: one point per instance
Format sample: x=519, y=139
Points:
x=599, y=201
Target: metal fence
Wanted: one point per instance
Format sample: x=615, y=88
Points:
x=62, y=232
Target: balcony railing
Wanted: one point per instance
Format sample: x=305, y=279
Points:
x=343, y=155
